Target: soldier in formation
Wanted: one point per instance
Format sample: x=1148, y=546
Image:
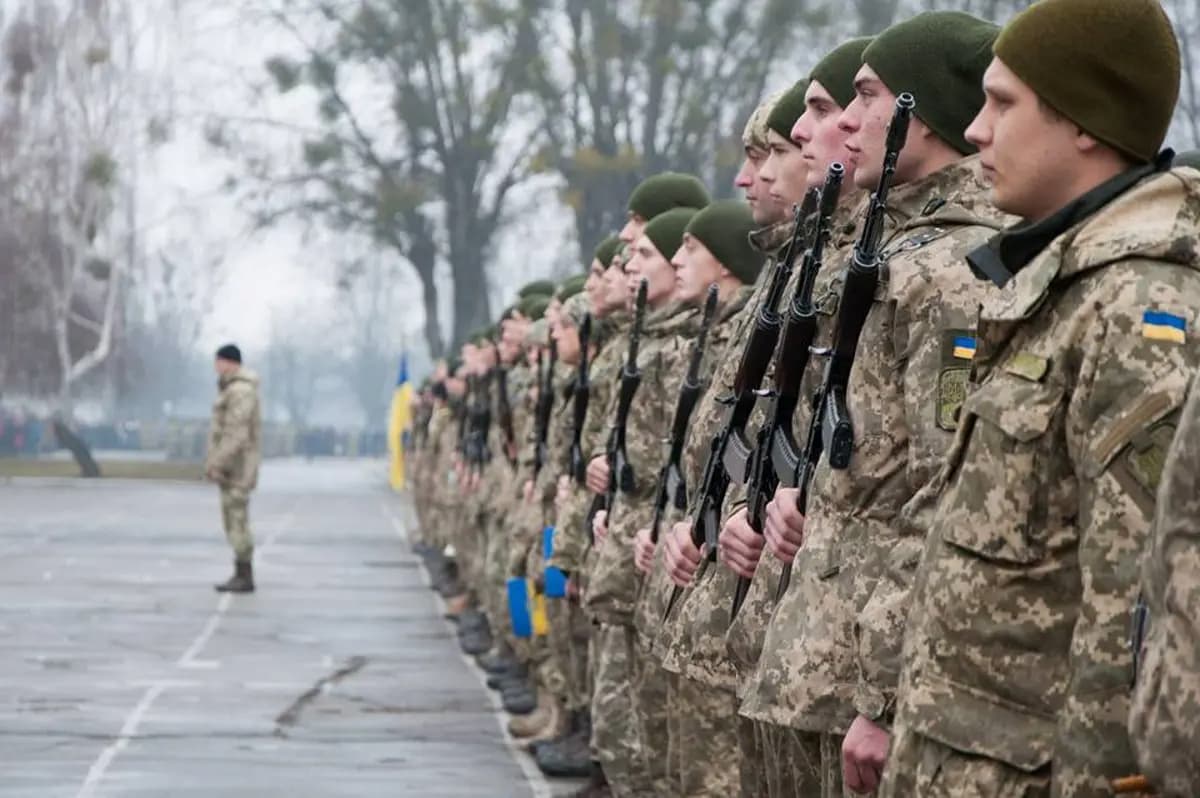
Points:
x=880, y=480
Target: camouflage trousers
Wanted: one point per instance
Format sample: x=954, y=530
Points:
x=703, y=724
x=801, y=762
x=235, y=516
x=616, y=744
x=494, y=595
x=918, y=765
x=650, y=707
x=568, y=638
x=753, y=760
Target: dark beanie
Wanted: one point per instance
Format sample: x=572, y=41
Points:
x=230, y=352
x=788, y=109
x=939, y=57
x=570, y=287
x=665, y=231
x=533, y=307
x=537, y=287
x=665, y=191
x=724, y=229
x=836, y=71
x=607, y=250
x=1109, y=66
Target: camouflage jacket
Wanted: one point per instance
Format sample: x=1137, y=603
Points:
x=652, y=603
x=674, y=641
x=1164, y=722
x=614, y=581
x=235, y=437
x=571, y=536
x=744, y=637
x=558, y=438
x=907, y=383
x=1017, y=646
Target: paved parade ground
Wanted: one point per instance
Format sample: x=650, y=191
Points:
x=123, y=674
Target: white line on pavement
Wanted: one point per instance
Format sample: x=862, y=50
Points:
x=128, y=730
x=96, y=772
x=536, y=780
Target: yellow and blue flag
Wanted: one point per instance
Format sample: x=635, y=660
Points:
x=964, y=347
x=1160, y=326
x=399, y=421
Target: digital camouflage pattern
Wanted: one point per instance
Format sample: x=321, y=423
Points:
x=744, y=636
x=811, y=663
x=1165, y=718
x=235, y=435
x=1017, y=646
x=613, y=584
x=616, y=743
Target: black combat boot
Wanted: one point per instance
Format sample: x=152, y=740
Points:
x=242, y=580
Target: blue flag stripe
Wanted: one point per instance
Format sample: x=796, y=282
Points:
x=1164, y=319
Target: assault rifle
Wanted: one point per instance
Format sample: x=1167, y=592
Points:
x=582, y=391
x=671, y=487
x=830, y=429
x=543, y=409
x=775, y=438
x=729, y=450
x=479, y=419
x=620, y=472
x=504, y=411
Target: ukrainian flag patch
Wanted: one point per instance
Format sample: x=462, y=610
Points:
x=964, y=347
x=1160, y=326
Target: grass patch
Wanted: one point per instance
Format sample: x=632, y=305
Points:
x=113, y=469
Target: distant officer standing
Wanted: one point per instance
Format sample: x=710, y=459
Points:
x=234, y=452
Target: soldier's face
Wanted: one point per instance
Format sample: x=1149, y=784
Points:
x=648, y=263
x=1029, y=154
x=696, y=268
x=594, y=288
x=822, y=140
x=785, y=171
x=566, y=338
x=865, y=122
x=615, y=293
x=633, y=228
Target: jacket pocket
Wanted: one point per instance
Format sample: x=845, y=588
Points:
x=1000, y=488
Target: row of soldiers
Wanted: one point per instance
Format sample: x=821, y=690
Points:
x=851, y=487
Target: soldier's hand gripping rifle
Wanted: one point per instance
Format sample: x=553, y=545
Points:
x=582, y=391
x=791, y=362
x=830, y=429
x=620, y=472
x=671, y=488
x=543, y=409
x=729, y=451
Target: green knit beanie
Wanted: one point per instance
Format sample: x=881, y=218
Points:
x=1109, y=66
x=939, y=57
x=607, y=250
x=788, y=109
x=662, y=192
x=570, y=287
x=543, y=287
x=724, y=229
x=836, y=71
x=534, y=307
x=665, y=231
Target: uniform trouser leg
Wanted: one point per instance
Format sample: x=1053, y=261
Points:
x=708, y=751
x=579, y=692
x=793, y=761
x=235, y=515
x=650, y=705
x=920, y=766
x=754, y=765
x=615, y=740
x=554, y=674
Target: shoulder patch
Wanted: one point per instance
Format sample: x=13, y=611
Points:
x=1139, y=468
x=1161, y=326
x=951, y=393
